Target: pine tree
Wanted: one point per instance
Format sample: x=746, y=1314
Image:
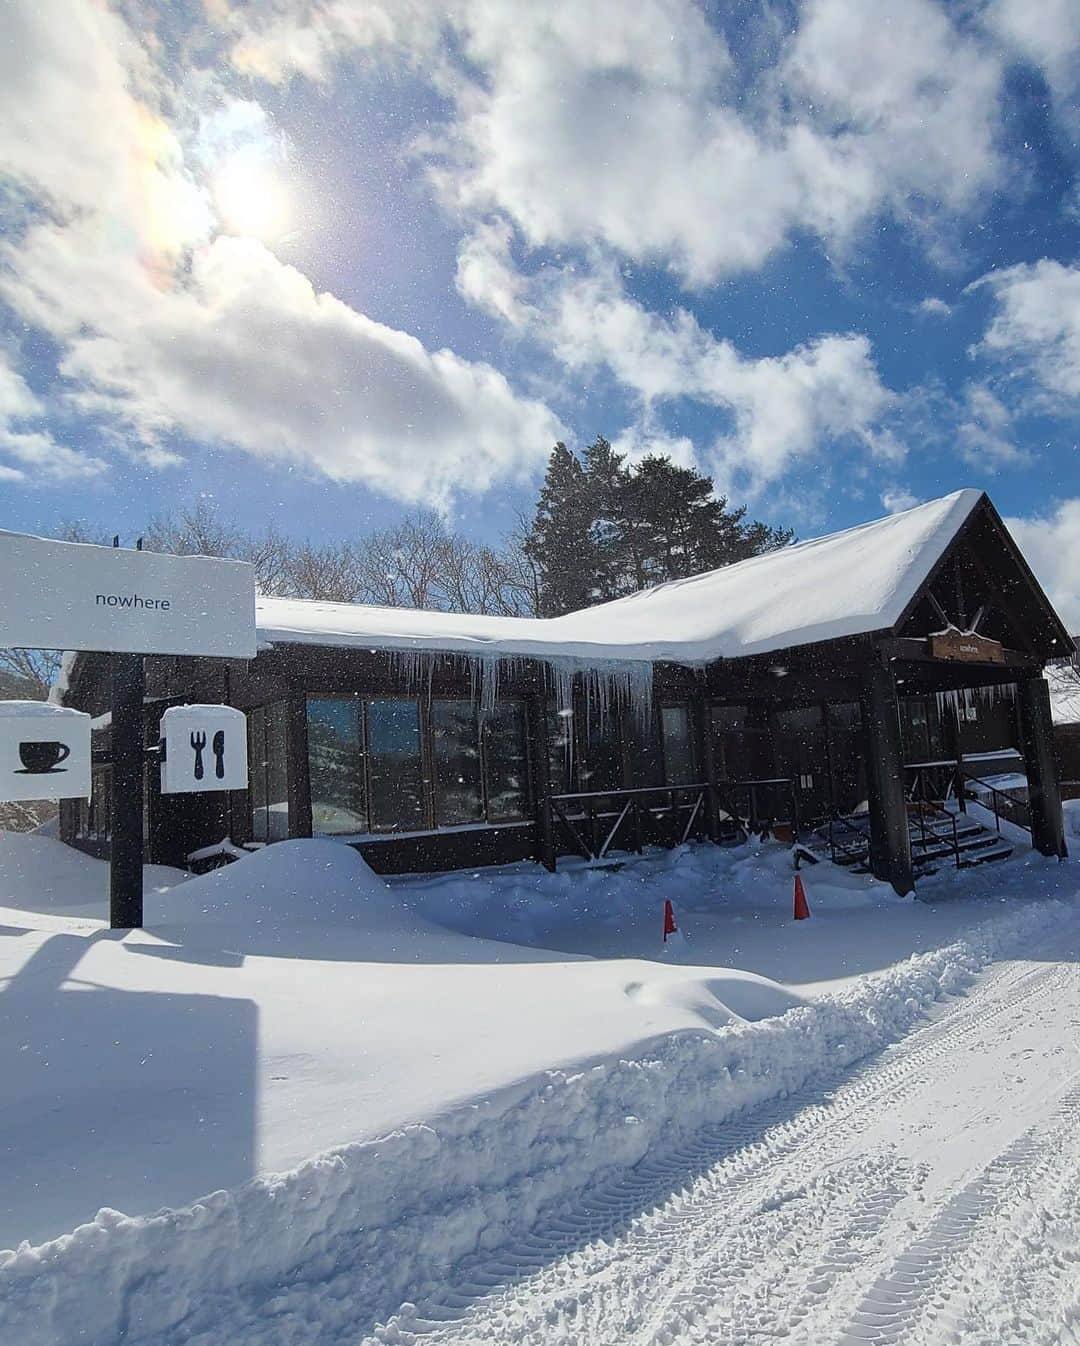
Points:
x=617, y=561
x=562, y=541
x=602, y=530
x=683, y=528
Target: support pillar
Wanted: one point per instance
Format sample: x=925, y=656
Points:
x=890, y=839
x=128, y=755
x=1040, y=764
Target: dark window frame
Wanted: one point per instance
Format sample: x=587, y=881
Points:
x=427, y=760
x=673, y=703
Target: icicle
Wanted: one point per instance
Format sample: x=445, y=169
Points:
x=603, y=684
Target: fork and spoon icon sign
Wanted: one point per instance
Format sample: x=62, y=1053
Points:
x=217, y=747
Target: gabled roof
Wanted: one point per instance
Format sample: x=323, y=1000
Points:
x=851, y=583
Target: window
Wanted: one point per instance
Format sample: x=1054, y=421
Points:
x=507, y=761
x=368, y=764
x=455, y=751
x=396, y=790
x=678, y=749
x=268, y=772
x=796, y=719
x=336, y=765
x=602, y=764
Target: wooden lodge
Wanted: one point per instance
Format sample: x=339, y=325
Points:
x=831, y=683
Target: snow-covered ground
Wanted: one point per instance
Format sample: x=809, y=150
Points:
x=381, y=1083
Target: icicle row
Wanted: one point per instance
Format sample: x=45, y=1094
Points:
x=602, y=684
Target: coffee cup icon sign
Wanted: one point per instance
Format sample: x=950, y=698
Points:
x=39, y=758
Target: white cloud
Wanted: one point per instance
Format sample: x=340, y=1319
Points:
x=486, y=275
x=167, y=326
x=1046, y=34
x=642, y=440
x=308, y=37
x=625, y=127
x=898, y=499
x=1051, y=543
x=984, y=432
x=784, y=409
x=1037, y=324
x=934, y=307
x=32, y=455
x=244, y=352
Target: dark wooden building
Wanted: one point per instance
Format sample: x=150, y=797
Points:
x=1064, y=680
x=816, y=682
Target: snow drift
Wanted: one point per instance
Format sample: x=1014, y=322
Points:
x=390, y=1215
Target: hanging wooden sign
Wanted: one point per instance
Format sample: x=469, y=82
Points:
x=967, y=647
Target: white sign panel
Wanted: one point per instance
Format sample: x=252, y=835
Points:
x=205, y=749
x=71, y=596
x=44, y=751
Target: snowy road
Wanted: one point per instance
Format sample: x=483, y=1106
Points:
x=933, y=1196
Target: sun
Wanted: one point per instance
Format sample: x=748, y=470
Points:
x=252, y=198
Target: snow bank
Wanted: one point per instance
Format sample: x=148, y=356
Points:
x=42, y=874
x=390, y=1215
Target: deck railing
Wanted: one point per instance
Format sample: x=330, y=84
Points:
x=594, y=819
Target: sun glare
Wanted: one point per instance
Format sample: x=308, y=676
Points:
x=251, y=198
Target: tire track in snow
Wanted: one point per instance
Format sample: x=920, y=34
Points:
x=939, y=1259
x=708, y=1217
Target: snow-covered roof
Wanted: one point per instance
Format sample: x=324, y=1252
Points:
x=845, y=584
x=1064, y=680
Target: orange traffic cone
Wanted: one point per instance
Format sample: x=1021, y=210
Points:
x=802, y=911
x=670, y=928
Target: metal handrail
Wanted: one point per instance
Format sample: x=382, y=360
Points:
x=864, y=837
x=1016, y=800
x=753, y=816
x=935, y=836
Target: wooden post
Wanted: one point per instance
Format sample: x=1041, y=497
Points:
x=128, y=756
x=536, y=720
x=890, y=840
x=1044, y=793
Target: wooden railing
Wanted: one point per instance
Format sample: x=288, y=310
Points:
x=595, y=818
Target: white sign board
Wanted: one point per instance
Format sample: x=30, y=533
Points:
x=205, y=749
x=71, y=596
x=44, y=751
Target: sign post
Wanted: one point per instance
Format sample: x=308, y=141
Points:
x=75, y=596
x=128, y=756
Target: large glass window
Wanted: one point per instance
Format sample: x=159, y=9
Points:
x=336, y=765
x=507, y=760
x=396, y=800
x=602, y=765
x=678, y=749
x=396, y=764
x=455, y=750
x=268, y=787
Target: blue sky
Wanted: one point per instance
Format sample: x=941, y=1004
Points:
x=327, y=261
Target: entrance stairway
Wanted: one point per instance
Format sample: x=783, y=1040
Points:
x=938, y=838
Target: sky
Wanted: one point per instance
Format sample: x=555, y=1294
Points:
x=324, y=262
